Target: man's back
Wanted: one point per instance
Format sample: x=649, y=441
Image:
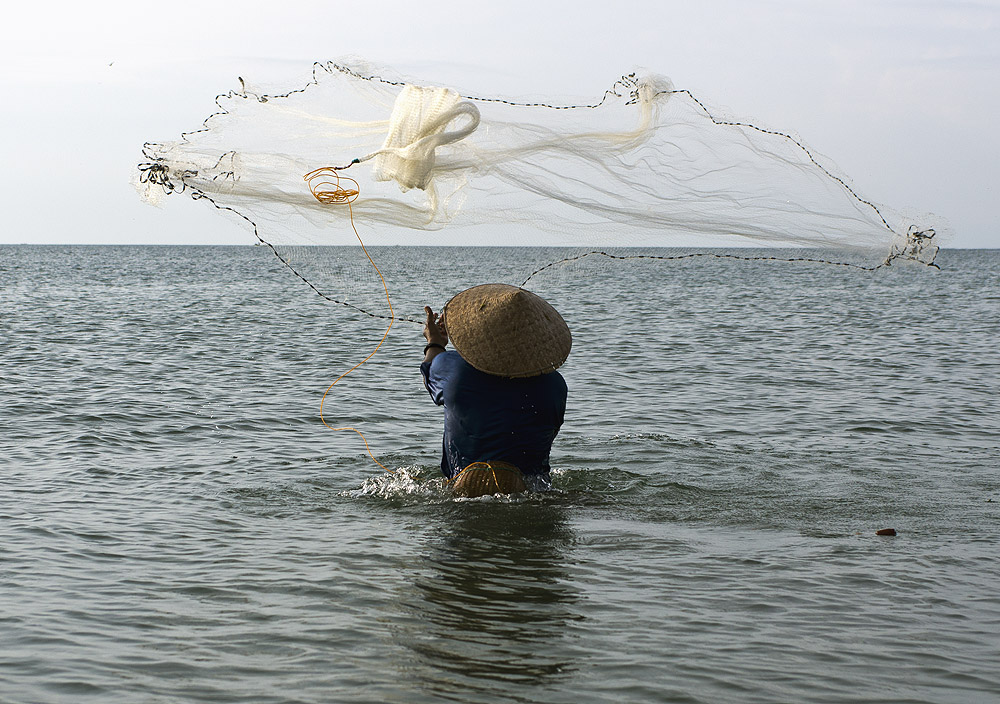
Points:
x=495, y=418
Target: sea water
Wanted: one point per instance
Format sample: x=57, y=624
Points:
x=177, y=524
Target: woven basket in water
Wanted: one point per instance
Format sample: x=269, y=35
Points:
x=487, y=478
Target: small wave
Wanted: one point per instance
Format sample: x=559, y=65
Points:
x=402, y=482
x=660, y=438
x=605, y=481
x=415, y=482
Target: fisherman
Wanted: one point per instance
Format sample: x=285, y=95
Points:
x=503, y=399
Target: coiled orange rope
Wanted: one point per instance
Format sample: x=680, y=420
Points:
x=331, y=192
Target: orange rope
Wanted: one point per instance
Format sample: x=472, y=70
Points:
x=330, y=192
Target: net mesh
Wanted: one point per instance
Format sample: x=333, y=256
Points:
x=361, y=153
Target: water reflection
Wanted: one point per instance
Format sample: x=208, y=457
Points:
x=493, y=605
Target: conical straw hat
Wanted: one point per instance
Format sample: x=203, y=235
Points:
x=506, y=331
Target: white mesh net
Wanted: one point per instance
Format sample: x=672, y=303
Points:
x=644, y=166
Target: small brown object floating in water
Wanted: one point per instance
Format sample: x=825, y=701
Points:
x=485, y=478
x=886, y=531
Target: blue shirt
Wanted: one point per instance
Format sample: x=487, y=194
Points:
x=490, y=417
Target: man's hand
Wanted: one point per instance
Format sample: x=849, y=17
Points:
x=434, y=330
x=435, y=334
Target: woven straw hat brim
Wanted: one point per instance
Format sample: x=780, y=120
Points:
x=507, y=331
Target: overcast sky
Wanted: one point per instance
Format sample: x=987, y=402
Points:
x=902, y=96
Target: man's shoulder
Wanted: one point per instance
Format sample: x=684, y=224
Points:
x=452, y=365
x=449, y=359
x=555, y=381
x=448, y=365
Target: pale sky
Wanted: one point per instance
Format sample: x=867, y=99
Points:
x=902, y=96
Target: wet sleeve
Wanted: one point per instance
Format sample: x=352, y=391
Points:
x=434, y=378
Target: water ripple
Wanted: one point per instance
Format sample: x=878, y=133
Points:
x=176, y=524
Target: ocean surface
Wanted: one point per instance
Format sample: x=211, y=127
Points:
x=178, y=525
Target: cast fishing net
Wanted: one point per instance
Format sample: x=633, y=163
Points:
x=644, y=165
x=358, y=154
